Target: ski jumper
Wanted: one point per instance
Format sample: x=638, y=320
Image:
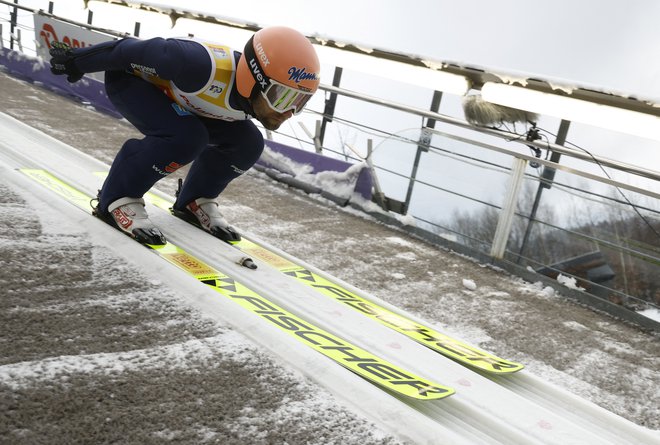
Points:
x=181, y=95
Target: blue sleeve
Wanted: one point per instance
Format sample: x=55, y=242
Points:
x=185, y=62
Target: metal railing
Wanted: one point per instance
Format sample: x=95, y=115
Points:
x=501, y=246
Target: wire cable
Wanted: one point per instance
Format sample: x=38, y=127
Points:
x=625, y=197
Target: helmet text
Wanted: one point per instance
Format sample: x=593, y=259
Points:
x=299, y=74
x=256, y=72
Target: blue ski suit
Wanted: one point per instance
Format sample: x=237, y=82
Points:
x=180, y=94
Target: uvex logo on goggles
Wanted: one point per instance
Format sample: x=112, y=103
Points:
x=256, y=68
x=261, y=78
x=262, y=55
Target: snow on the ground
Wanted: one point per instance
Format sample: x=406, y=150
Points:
x=652, y=313
x=133, y=358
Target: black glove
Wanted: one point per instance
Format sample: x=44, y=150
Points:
x=62, y=62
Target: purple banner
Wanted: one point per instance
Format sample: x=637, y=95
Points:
x=319, y=163
x=36, y=70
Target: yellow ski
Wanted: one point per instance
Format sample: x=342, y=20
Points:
x=444, y=344
x=369, y=366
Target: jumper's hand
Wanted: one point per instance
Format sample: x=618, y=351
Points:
x=62, y=62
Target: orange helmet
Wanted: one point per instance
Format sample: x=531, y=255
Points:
x=282, y=64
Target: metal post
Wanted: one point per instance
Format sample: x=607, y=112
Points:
x=50, y=7
x=547, y=177
x=379, y=196
x=505, y=221
x=318, y=146
x=13, y=20
x=548, y=174
x=136, y=31
x=314, y=137
x=330, y=103
x=422, y=146
x=90, y=16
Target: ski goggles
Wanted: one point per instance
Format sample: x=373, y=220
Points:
x=282, y=98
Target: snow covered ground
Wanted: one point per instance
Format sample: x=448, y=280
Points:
x=94, y=351
x=99, y=351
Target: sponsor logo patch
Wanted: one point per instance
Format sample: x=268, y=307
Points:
x=299, y=74
x=169, y=168
x=262, y=55
x=144, y=69
x=220, y=53
x=180, y=110
x=237, y=170
x=191, y=264
x=201, y=215
x=259, y=77
x=124, y=221
x=215, y=89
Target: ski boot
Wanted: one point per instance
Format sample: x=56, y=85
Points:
x=129, y=216
x=204, y=213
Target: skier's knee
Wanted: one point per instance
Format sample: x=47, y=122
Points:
x=253, y=146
